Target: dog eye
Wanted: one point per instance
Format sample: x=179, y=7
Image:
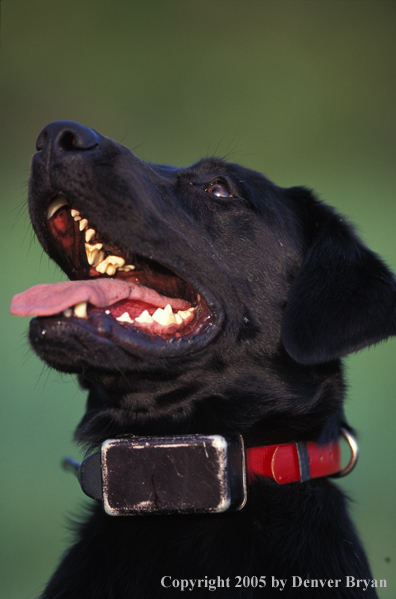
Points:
x=219, y=190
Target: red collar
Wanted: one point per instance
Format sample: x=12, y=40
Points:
x=299, y=462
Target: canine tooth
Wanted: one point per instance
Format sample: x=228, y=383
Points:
x=55, y=205
x=125, y=318
x=83, y=223
x=144, y=317
x=92, y=252
x=164, y=317
x=89, y=233
x=127, y=267
x=99, y=257
x=68, y=312
x=80, y=310
x=91, y=256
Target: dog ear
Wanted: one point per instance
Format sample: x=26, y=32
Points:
x=343, y=297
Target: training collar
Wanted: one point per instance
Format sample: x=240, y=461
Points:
x=198, y=473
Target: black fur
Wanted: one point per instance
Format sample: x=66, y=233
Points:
x=291, y=290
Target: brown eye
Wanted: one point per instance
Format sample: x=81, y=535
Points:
x=219, y=190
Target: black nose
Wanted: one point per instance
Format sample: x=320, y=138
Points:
x=67, y=136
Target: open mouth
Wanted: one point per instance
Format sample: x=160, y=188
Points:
x=137, y=294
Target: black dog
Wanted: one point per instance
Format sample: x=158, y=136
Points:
x=205, y=300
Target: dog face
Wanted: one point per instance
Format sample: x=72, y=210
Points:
x=209, y=299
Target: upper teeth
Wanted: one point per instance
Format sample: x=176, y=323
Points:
x=110, y=265
x=82, y=224
x=94, y=255
x=89, y=233
x=94, y=252
x=126, y=268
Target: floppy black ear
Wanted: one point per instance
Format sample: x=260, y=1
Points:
x=343, y=297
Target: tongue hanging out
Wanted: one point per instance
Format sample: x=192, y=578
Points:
x=47, y=300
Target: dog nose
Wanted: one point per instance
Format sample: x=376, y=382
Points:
x=67, y=136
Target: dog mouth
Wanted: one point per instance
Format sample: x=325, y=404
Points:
x=112, y=292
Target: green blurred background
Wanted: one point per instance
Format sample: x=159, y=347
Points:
x=301, y=90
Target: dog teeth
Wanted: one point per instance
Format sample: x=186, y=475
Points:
x=89, y=233
x=109, y=265
x=145, y=318
x=55, y=205
x=94, y=256
x=185, y=313
x=164, y=316
x=80, y=310
x=99, y=257
x=125, y=318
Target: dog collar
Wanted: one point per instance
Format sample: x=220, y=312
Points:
x=197, y=473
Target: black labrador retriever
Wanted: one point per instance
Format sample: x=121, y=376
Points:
x=207, y=312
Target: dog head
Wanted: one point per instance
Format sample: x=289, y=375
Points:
x=208, y=299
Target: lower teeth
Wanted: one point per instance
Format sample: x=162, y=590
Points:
x=80, y=310
x=163, y=317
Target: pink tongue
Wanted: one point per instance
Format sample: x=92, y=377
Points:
x=46, y=300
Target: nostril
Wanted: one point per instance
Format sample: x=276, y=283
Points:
x=68, y=141
x=76, y=138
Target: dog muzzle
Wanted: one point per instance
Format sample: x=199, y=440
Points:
x=197, y=473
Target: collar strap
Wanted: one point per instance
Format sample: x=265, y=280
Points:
x=197, y=473
x=299, y=462
x=293, y=462
x=302, y=461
